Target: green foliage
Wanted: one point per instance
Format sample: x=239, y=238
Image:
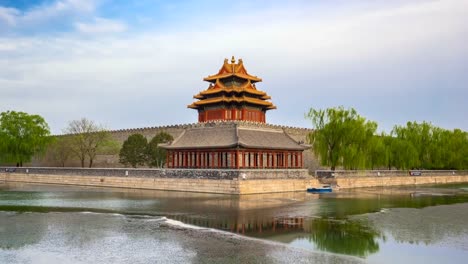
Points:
x=87, y=139
x=133, y=150
x=22, y=136
x=341, y=137
x=377, y=154
x=156, y=154
x=404, y=154
x=432, y=147
x=59, y=151
x=344, y=237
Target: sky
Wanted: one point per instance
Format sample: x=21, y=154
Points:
x=130, y=64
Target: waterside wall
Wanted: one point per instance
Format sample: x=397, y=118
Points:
x=382, y=178
x=206, y=181
x=234, y=182
x=383, y=181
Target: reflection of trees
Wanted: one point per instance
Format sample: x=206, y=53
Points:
x=428, y=225
x=344, y=237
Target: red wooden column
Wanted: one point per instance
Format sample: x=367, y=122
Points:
x=274, y=158
x=192, y=160
x=286, y=157
x=243, y=159
x=180, y=160
x=167, y=159
x=236, y=159
x=261, y=159
x=212, y=159
x=268, y=159
x=189, y=159
x=220, y=159
x=254, y=159
x=173, y=159
x=297, y=159
x=294, y=159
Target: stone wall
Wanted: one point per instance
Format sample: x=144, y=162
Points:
x=378, y=173
x=112, y=161
x=278, y=185
x=230, y=181
x=205, y=181
x=383, y=181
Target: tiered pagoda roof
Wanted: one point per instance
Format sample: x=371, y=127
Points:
x=232, y=85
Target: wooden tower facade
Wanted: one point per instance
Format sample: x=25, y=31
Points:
x=232, y=95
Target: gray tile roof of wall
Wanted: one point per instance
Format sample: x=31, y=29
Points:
x=234, y=136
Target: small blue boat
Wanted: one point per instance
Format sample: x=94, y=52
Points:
x=324, y=189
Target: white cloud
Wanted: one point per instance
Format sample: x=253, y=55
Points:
x=101, y=25
x=58, y=9
x=36, y=17
x=353, y=58
x=8, y=16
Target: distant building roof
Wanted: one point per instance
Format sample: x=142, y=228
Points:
x=234, y=135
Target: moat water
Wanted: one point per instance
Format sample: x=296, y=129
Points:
x=67, y=224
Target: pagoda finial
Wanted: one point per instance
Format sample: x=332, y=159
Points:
x=233, y=60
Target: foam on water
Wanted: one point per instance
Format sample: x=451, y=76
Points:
x=179, y=224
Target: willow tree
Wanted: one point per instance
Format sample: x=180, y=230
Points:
x=434, y=147
x=22, y=136
x=341, y=137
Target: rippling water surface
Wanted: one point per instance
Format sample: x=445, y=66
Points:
x=65, y=224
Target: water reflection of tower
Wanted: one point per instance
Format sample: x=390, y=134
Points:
x=247, y=226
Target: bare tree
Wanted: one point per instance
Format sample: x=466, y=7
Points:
x=86, y=138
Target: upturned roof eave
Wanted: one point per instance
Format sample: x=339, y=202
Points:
x=213, y=78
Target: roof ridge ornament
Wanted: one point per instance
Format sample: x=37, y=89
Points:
x=233, y=60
